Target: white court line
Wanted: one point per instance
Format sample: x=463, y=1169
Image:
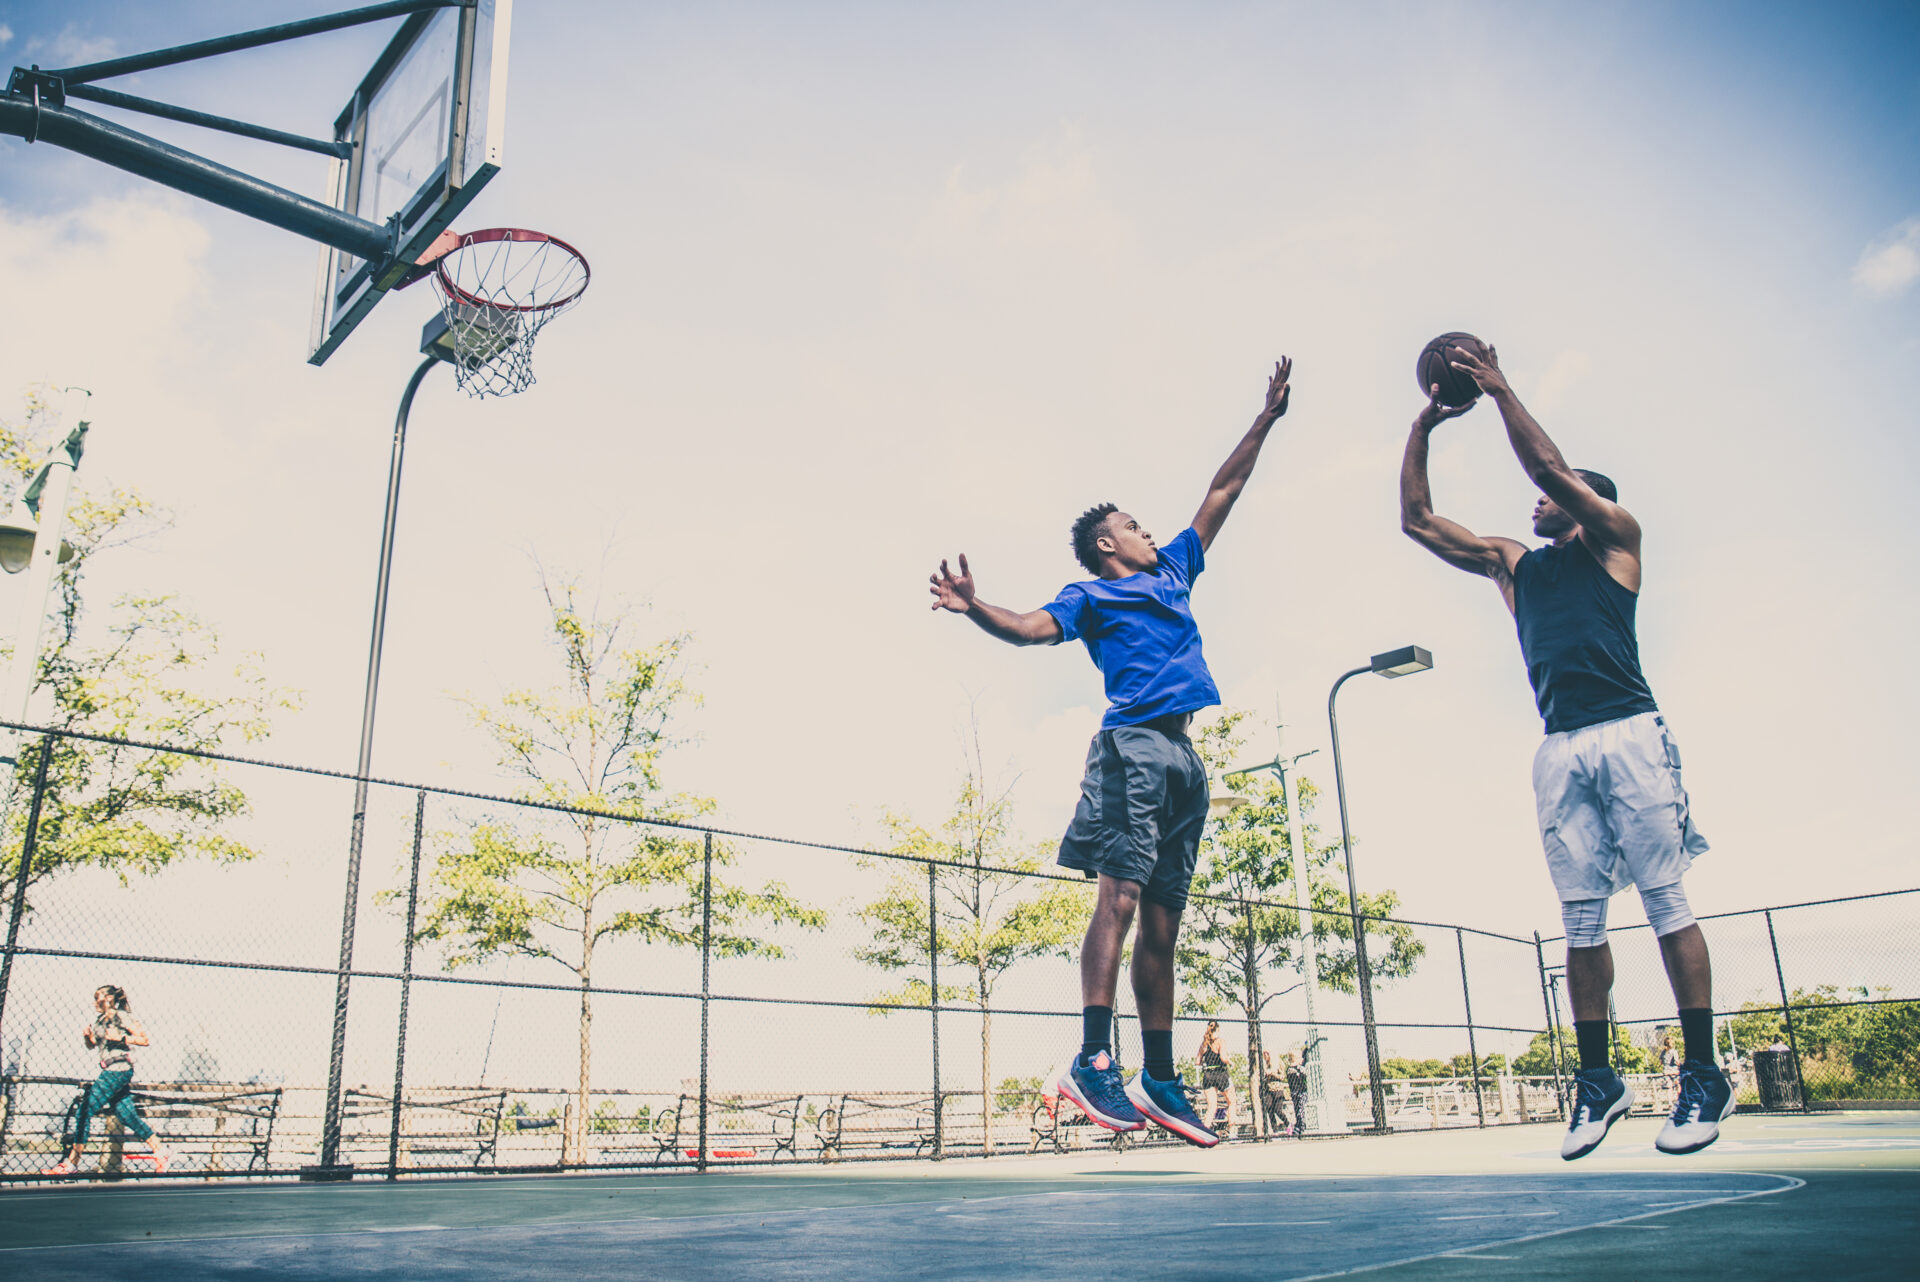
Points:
x=1263, y=1224
x=1788, y=1185
x=1500, y=1215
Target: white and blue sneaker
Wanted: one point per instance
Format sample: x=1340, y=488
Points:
x=1171, y=1105
x=1094, y=1085
x=1706, y=1100
x=1600, y=1099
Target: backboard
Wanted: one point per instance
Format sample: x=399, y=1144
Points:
x=426, y=128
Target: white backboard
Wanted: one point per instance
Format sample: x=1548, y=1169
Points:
x=426, y=128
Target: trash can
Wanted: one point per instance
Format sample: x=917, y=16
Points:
x=1779, y=1084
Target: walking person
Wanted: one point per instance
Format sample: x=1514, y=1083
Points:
x=1606, y=780
x=113, y=1032
x=1297, y=1087
x=1273, y=1094
x=1143, y=800
x=1215, y=1081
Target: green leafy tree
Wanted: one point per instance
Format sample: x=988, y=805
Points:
x=989, y=913
x=1241, y=930
x=595, y=742
x=1853, y=1043
x=145, y=668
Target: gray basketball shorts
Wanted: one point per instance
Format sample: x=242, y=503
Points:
x=1143, y=803
x=1612, y=810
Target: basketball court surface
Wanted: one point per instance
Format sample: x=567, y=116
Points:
x=1778, y=1197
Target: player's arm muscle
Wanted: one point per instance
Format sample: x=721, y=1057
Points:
x=955, y=592
x=1233, y=474
x=1447, y=539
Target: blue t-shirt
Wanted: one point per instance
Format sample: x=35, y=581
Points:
x=1141, y=635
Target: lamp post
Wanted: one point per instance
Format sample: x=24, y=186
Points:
x=436, y=344
x=1282, y=766
x=1394, y=663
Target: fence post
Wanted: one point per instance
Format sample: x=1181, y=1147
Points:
x=1256, y=1045
x=1553, y=1024
x=1786, y=1008
x=933, y=1007
x=27, y=844
x=706, y=984
x=406, y=987
x=1473, y=1047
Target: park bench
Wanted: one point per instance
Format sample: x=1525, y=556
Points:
x=441, y=1126
x=876, y=1123
x=204, y=1123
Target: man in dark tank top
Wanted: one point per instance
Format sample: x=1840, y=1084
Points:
x=1606, y=780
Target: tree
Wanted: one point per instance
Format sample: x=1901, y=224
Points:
x=989, y=912
x=1853, y=1043
x=149, y=670
x=594, y=742
x=1241, y=925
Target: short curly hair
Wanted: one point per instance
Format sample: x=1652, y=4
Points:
x=1087, y=528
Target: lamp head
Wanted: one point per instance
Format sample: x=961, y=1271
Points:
x=1405, y=661
x=18, y=530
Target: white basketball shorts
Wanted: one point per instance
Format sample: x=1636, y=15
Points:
x=1612, y=811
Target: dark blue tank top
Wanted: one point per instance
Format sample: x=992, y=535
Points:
x=1576, y=634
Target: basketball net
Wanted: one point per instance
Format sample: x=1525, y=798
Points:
x=498, y=289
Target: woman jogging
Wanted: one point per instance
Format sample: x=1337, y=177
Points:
x=112, y=1032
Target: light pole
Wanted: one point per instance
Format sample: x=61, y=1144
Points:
x=436, y=343
x=1282, y=766
x=1394, y=663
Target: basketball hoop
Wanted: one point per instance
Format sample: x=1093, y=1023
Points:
x=498, y=289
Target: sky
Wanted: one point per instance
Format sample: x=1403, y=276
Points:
x=874, y=286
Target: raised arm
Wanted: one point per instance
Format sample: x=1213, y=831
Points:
x=1233, y=474
x=955, y=592
x=1449, y=540
x=1602, y=521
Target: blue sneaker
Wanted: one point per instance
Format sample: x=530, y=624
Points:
x=1171, y=1105
x=1600, y=1099
x=1094, y=1085
x=1706, y=1100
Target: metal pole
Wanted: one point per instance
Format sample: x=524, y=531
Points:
x=1309, y=951
x=1546, y=1002
x=406, y=986
x=1786, y=1008
x=1359, y=924
x=20, y=878
x=1256, y=1069
x=1473, y=1048
x=933, y=1004
x=706, y=982
x=330, y=1167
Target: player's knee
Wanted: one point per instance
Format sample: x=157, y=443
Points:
x=1585, y=921
x=1667, y=909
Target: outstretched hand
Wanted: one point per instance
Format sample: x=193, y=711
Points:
x=1481, y=364
x=1434, y=413
x=952, y=591
x=1278, y=388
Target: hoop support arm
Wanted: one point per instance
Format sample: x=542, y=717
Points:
x=206, y=120
x=249, y=39
x=183, y=171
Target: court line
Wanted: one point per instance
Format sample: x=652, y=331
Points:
x=1500, y=1215
x=1790, y=1185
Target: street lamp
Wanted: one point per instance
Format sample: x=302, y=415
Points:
x=437, y=345
x=1403, y=662
x=1309, y=948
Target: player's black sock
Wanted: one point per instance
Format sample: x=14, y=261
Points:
x=1156, y=1053
x=1591, y=1034
x=1096, y=1030
x=1696, y=1031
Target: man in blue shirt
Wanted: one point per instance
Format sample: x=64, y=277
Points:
x=1144, y=798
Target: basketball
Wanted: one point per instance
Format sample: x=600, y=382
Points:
x=1456, y=388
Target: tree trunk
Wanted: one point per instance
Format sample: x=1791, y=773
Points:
x=580, y=1114
x=1256, y=1070
x=986, y=1081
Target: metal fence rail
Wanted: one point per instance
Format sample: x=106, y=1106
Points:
x=696, y=1034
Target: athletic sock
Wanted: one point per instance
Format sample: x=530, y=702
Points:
x=1156, y=1052
x=1096, y=1031
x=1696, y=1031
x=1591, y=1035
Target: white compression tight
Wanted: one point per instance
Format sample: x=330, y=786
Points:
x=1586, y=919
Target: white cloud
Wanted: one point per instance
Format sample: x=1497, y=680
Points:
x=1891, y=261
x=69, y=48
x=6, y=34
x=1566, y=371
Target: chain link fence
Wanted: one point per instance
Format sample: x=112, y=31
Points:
x=704, y=998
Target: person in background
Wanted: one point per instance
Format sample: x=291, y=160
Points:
x=113, y=1032
x=1215, y=1081
x=1297, y=1087
x=1273, y=1094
